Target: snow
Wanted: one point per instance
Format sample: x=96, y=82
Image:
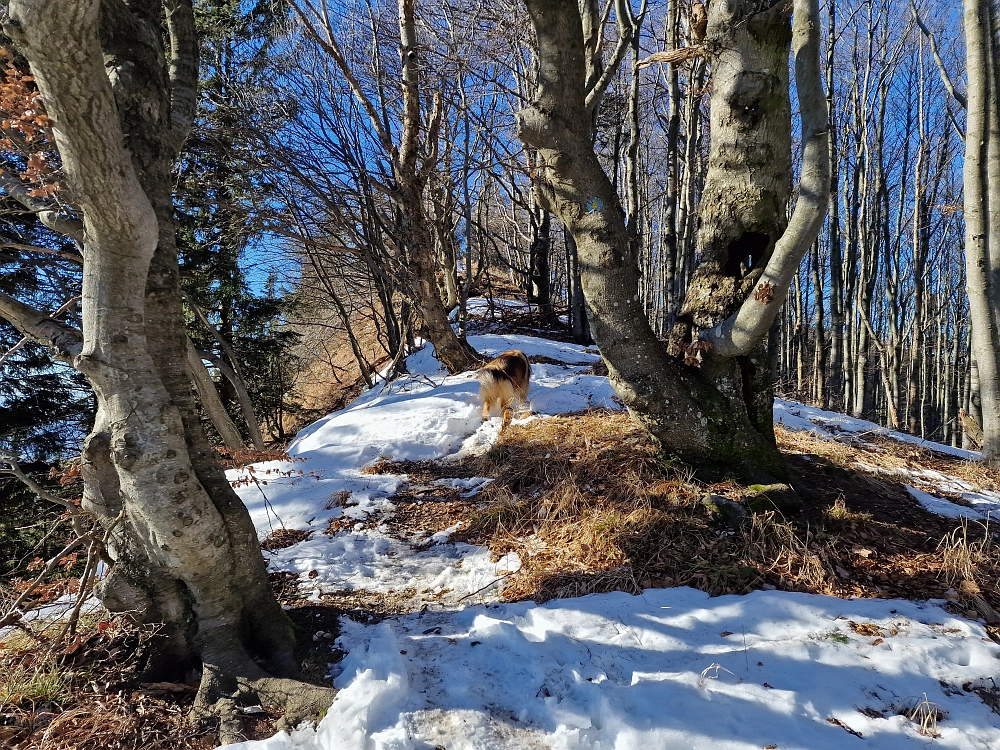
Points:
x=796, y=416
x=671, y=668
x=423, y=416
x=939, y=505
x=976, y=503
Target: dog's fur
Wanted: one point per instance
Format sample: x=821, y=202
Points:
x=502, y=381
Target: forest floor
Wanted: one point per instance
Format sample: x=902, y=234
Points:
x=559, y=585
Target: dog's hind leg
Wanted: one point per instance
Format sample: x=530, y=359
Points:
x=508, y=415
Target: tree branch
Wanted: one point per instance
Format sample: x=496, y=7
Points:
x=627, y=28
x=740, y=332
x=42, y=327
x=330, y=46
x=75, y=514
x=945, y=78
x=47, y=213
x=75, y=257
x=183, y=69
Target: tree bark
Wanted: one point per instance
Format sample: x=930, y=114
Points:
x=187, y=554
x=715, y=415
x=982, y=213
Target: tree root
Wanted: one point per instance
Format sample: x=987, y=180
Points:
x=222, y=697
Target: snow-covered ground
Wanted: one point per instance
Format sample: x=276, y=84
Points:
x=427, y=415
x=671, y=668
x=930, y=488
x=796, y=416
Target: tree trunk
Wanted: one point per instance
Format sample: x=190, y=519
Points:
x=456, y=354
x=720, y=415
x=211, y=402
x=187, y=553
x=982, y=212
x=538, y=263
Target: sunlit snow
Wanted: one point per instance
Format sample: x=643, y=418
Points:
x=669, y=669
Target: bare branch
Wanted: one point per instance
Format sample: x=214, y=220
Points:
x=330, y=46
x=627, y=29
x=12, y=467
x=945, y=78
x=75, y=257
x=10, y=352
x=233, y=374
x=42, y=327
x=49, y=214
x=14, y=613
x=671, y=56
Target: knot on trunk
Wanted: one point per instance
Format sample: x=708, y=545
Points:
x=125, y=450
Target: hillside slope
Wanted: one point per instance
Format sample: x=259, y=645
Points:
x=432, y=657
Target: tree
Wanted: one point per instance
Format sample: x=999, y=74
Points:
x=222, y=200
x=412, y=159
x=712, y=413
x=982, y=210
x=184, y=550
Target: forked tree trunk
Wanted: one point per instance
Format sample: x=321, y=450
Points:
x=421, y=262
x=718, y=414
x=186, y=554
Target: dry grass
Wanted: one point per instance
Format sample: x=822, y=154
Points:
x=926, y=715
x=590, y=505
x=839, y=513
x=961, y=557
x=80, y=694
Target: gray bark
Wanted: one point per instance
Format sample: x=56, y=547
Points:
x=982, y=213
x=187, y=554
x=696, y=415
x=210, y=401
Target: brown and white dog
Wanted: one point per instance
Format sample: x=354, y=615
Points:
x=502, y=381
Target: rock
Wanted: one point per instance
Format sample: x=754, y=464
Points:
x=730, y=511
x=774, y=497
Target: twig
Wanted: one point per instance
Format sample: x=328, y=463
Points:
x=14, y=614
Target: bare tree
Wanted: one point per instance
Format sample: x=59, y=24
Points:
x=712, y=413
x=184, y=549
x=412, y=158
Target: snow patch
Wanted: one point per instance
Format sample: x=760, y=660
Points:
x=638, y=672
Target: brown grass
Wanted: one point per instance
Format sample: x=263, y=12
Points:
x=81, y=693
x=589, y=504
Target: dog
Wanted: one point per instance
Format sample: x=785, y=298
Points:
x=502, y=381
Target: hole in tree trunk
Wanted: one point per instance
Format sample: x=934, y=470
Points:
x=748, y=249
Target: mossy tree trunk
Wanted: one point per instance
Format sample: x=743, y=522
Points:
x=707, y=402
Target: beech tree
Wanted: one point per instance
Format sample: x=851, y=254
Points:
x=982, y=209
x=708, y=399
x=413, y=156
x=182, y=548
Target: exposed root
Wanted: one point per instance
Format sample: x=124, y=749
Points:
x=225, y=698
